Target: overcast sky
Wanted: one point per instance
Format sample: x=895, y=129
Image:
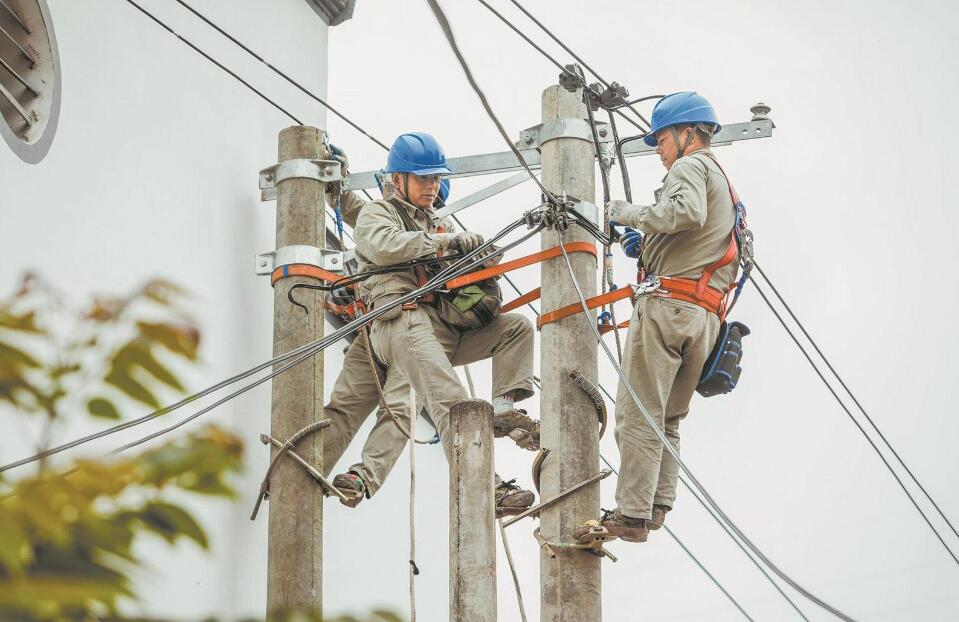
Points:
x=850, y=201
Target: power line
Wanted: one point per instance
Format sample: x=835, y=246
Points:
x=574, y=55
x=283, y=75
x=854, y=420
x=215, y=62
x=553, y=60
x=682, y=465
x=855, y=401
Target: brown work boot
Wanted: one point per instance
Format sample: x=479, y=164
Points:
x=624, y=527
x=659, y=517
x=511, y=499
x=352, y=486
x=515, y=423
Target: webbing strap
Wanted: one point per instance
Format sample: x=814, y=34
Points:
x=591, y=303
x=299, y=269
x=605, y=328
x=522, y=300
x=522, y=262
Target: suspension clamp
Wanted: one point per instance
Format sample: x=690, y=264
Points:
x=326, y=171
x=323, y=258
x=538, y=135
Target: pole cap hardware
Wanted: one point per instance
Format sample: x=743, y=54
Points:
x=326, y=171
x=323, y=258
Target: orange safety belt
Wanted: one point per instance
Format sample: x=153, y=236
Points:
x=522, y=262
x=299, y=269
x=591, y=303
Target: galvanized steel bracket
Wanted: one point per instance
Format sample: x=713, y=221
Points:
x=326, y=171
x=324, y=258
x=538, y=135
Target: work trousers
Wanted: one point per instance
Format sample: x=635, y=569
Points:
x=666, y=347
x=425, y=349
x=353, y=398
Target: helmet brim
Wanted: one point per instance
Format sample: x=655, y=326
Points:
x=437, y=170
x=650, y=140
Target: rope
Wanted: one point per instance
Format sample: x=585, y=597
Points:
x=374, y=372
x=414, y=569
x=855, y=421
x=682, y=465
x=512, y=569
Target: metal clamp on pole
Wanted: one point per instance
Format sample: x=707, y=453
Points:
x=538, y=135
x=300, y=260
x=326, y=171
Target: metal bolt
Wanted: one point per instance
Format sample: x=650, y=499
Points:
x=335, y=260
x=528, y=139
x=269, y=177
x=262, y=263
x=602, y=132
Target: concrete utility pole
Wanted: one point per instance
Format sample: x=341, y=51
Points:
x=295, y=558
x=571, y=583
x=472, y=513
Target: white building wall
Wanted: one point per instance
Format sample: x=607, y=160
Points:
x=153, y=172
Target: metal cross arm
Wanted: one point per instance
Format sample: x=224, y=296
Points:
x=531, y=139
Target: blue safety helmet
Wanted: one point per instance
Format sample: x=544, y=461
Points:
x=444, y=192
x=417, y=153
x=683, y=108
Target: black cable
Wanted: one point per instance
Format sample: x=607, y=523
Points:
x=852, y=418
x=215, y=62
x=855, y=401
x=688, y=552
x=581, y=61
x=623, y=171
x=675, y=454
x=280, y=73
x=451, y=40
x=460, y=267
x=551, y=59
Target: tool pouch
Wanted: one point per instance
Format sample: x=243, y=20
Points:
x=472, y=306
x=723, y=367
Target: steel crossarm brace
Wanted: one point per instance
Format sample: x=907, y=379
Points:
x=505, y=161
x=482, y=195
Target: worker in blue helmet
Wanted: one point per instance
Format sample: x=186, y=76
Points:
x=425, y=339
x=683, y=241
x=356, y=394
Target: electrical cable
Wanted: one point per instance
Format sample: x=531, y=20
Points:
x=682, y=465
x=451, y=40
x=280, y=73
x=215, y=62
x=855, y=400
x=582, y=62
x=689, y=553
x=853, y=419
x=464, y=265
x=550, y=58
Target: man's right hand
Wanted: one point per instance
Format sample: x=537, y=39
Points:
x=466, y=242
x=632, y=242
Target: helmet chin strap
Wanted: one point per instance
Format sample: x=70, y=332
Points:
x=681, y=148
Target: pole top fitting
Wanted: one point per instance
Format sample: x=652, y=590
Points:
x=760, y=112
x=572, y=78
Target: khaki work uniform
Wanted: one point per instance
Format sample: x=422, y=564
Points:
x=418, y=342
x=687, y=229
x=355, y=396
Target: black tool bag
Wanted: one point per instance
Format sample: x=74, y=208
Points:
x=723, y=367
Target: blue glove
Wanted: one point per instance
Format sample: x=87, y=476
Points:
x=632, y=242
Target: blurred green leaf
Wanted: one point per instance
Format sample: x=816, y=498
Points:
x=171, y=521
x=26, y=322
x=13, y=543
x=11, y=357
x=182, y=340
x=103, y=408
x=123, y=381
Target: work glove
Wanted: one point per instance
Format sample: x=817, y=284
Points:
x=615, y=212
x=632, y=242
x=466, y=241
x=340, y=156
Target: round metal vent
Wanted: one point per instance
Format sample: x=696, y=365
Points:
x=29, y=78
